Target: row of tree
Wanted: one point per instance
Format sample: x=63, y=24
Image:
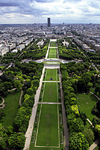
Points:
x=70, y=52
x=80, y=137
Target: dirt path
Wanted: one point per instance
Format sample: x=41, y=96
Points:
x=90, y=122
x=66, y=131
x=48, y=103
x=20, y=97
x=95, y=95
x=95, y=144
x=2, y=104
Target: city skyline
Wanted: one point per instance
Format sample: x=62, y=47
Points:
x=37, y=11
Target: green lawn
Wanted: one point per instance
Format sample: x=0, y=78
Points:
x=53, y=44
x=51, y=62
x=46, y=133
x=50, y=92
x=47, y=130
x=52, y=53
x=11, y=108
x=51, y=73
x=1, y=67
x=86, y=103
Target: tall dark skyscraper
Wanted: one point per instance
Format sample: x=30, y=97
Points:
x=48, y=19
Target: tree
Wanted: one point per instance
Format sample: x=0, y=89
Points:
x=76, y=125
x=17, y=84
x=83, y=117
x=3, y=137
x=10, y=130
x=16, y=140
x=78, y=142
x=81, y=85
x=97, y=129
x=12, y=141
x=89, y=135
x=29, y=91
x=20, y=140
x=75, y=109
x=89, y=85
x=73, y=101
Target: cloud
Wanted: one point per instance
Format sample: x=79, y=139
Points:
x=8, y=4
x=58, y=10
x=44, y=1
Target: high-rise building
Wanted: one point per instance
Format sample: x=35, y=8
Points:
x=48, y=19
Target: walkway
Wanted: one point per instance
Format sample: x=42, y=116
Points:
x=51, y=59
x=48, y=103
x=95, y=95
x=66, y=131
x=95, y=144
x=2, y=104
x=90, y=122
x=20, y=97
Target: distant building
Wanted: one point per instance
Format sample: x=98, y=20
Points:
x=48, y=19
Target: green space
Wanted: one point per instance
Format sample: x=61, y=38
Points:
x=53, y=44
x=51, y=73
x=48, y=126
x=86, y=103
x=1, y=67
x=11, y=108
x=50, y=92
x=52, y=53
x=46, y=134
x=52, y=62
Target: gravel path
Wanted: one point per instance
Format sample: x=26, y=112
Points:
x=95, y=144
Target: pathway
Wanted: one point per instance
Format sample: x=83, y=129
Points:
x=95, y=144
x=47, y=51
x=66, y=131
x=90, y=123
x=20, y=97
x=2, y=104
x=48, y=103
x=51, y=59
x=95, y=95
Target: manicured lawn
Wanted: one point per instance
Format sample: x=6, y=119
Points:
x=47, y=133
x=1, y=67
x=51, y=73
x=50, y=92
x=42, y=148
x=86, y=103
x=52, y=53
x=47, y=130
x=53, y=44
x=11, y=108
x=52, y=62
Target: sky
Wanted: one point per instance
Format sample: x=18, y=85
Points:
x=37, y=11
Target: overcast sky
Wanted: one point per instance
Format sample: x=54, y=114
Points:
x=37, y=11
